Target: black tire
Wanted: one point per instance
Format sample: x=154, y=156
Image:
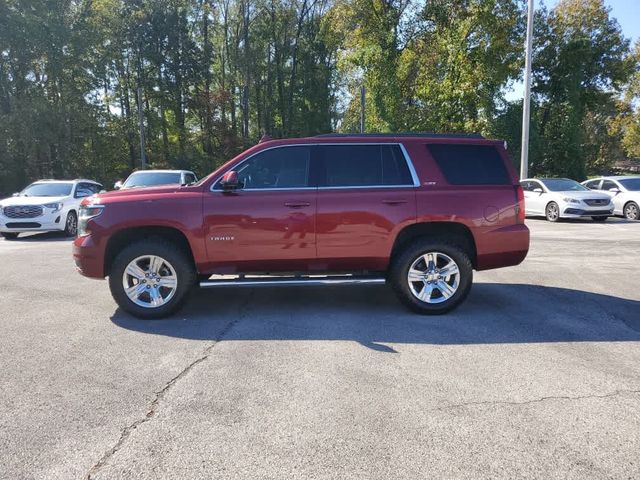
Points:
x=179, y=260
x=399, y=269
x=631, y=211
x=599, y=219
x=71, y=224
x=9, y=235
x=552, y=212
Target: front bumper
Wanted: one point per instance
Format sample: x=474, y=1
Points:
x=88, y=257
x=43, y=223
x=581, y=211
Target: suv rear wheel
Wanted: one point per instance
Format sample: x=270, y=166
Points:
x=431, y=277
x=151, y=279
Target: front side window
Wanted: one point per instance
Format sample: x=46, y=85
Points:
x=189, y=178
x=364, y=166
x=48, y=190
x=85, y=190
x=608, y=185
x=593, y=185
x=281, y=167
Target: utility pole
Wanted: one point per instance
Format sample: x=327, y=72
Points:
x=143, y=162
x=526, y=104
x=362, y=105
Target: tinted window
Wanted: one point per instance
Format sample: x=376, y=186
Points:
x=631, y=184
x=527, y=186
x=470, y=164
x=608, y=185
x=562, y=185
x=284, y=167
x=151, y=179
x=189, y=178
x=364, y=166
x=86, y=190
x=593, y=184
x=52, y=189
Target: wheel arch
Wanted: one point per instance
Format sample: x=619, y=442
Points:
x=126, y=236
x=455, y=232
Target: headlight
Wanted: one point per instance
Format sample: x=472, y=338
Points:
x=55, y=207
x=571, y=200
x=87, y=212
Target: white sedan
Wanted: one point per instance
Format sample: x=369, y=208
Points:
x=45, y=205
x=624, y=192
x=556, y=198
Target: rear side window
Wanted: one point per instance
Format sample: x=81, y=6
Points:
x=470, y=164
x=363, y=166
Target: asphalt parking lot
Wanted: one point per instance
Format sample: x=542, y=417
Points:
x=537, y=375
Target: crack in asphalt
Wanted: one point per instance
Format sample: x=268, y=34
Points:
x=159, y=395
x=535, y=400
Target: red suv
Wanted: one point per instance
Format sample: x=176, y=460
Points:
x=419, y=212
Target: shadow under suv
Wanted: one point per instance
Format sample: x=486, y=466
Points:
x=419, y=212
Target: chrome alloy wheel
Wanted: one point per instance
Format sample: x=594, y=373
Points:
x=433, y=277
x=150, y=281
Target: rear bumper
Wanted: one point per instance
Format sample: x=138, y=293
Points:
x=502, y=247
x=88, y=257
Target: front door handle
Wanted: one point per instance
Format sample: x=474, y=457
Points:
x=297, y=204
x=394, y=201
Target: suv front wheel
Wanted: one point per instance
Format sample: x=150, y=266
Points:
x=431, y=277
x=151, y=279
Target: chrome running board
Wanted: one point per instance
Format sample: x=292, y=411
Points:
x=266, y=281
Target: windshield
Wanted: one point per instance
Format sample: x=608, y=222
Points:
x=631, y=184
x=563, y=185
x=150, y=179
x=47, y=190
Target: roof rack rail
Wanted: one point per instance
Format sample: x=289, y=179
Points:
x=419, y=135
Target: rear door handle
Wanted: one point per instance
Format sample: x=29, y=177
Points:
x=394, y=201
x=297, y=204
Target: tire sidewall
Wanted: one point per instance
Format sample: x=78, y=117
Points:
x=185, y=274
x=400, y=269
x=626, y=207
x=67, y=232
x=546, y=212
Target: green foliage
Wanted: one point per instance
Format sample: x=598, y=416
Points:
x=214, y=75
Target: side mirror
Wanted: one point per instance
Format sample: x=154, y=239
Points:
x=230, y=182
x=614, y=190
x=102, y=191
x=538, y=190
x=117, y=185
x=15, y=194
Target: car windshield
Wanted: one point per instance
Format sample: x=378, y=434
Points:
x=150, y=179
x=563, y=185
x=631, y=184
x=47, y=190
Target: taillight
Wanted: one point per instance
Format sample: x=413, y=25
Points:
x=520, y=207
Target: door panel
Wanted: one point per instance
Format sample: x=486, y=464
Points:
x=258, y=229
x=268, y=223
x=355, y=226
x=366, y=193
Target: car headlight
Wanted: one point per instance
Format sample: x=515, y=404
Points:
x=87, y=212
x=571, y=200
x=55, y=207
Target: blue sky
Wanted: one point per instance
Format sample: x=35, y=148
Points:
x=627, y=12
